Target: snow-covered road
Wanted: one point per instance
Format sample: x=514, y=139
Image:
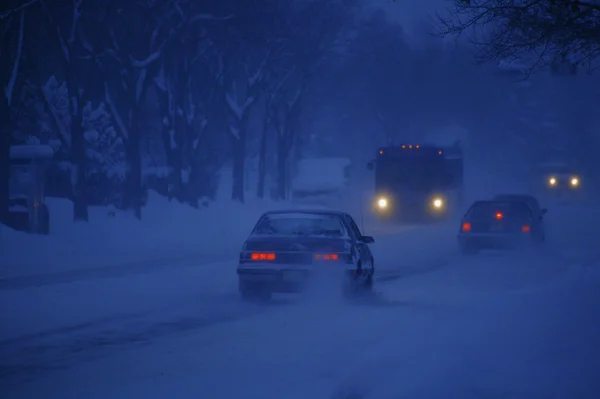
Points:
x=494, y=325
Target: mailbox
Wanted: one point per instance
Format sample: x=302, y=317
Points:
x=28, y=165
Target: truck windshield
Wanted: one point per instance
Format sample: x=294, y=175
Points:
x=421, y=174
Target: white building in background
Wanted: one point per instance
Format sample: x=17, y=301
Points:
x=321, y=181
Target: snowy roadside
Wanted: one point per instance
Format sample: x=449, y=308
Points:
x=168, y=232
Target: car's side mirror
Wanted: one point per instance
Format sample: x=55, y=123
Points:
x=543, y=211
x=370, y=166
x=367, y=239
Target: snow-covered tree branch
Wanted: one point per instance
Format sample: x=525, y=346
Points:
x=136, y=49
x=541, y=33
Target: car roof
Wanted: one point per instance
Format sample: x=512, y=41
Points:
x=527, y=197
x=495, y=201
x=307, y=211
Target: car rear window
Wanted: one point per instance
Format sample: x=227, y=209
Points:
x=510, y=210
x=301, y=224
x=529, y=201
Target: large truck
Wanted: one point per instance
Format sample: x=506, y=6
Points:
x=422, y=182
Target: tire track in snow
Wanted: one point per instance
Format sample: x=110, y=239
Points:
x=105, y=272
x=28, y=356
x=25, y=357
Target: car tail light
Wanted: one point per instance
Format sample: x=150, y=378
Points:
x=526, y=229
x=327, y=257
x=499, y=215
x=262, y=256
x=466, y=226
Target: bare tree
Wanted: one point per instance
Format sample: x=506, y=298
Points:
x=12, y=25
x=242, y=55
x=67, y=26
x=308, y=39
x=138, y=35
x=186, y=87
x=543, y=33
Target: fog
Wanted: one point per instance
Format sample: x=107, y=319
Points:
x=144, y=142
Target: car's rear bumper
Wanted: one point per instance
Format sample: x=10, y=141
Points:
x=493, y=241
x=292, y=278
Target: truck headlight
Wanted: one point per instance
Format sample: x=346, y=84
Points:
x=552, y=181
x=382, y=203
x=437, y=202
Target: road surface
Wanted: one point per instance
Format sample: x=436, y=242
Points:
x=496, y=325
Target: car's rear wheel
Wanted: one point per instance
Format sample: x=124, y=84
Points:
x=368, y=285
x=369, y=282
x=351, y=286
x=356, y=285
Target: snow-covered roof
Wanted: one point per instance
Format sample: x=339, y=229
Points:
x=321, y=174
x=31, y=151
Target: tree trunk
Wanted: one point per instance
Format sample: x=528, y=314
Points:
x=282, y=163
x=133, y=188
x=262, y=155
x=262, y=166
x=239, y=161
x=78, y=162
x=195, y=182
x=5, y=135
x=177, y=161
x=172, y=158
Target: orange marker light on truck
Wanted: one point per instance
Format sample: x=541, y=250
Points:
x=526, y=229
x=263, y=256
x=499, y=215
x=466, y=226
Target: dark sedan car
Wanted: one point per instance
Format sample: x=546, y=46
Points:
x=499, y=224
x=287, y=248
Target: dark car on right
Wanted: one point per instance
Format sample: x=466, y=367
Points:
x=530, y=200
x=499, y=224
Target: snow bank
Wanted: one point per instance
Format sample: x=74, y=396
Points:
x=169, y=231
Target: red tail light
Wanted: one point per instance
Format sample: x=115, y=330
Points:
x=526, y=229
x=327, y=257
x=263, y=256
x=466, y=226
x=499, y=215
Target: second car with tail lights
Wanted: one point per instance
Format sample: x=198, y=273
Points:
x=499, y=224
x=287, y=249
